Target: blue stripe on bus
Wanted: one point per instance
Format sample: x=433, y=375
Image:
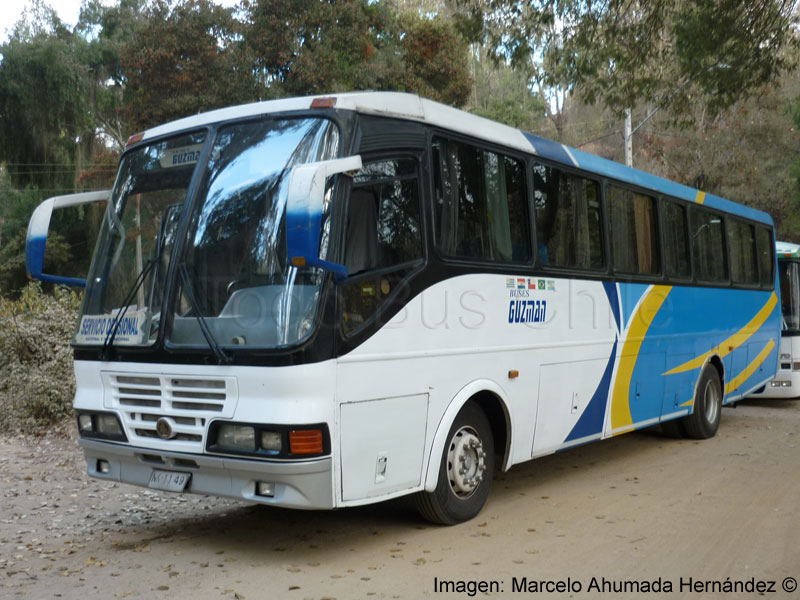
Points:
x=549, y=149
x=591, y=421
x=613, y=301
x=630, y=294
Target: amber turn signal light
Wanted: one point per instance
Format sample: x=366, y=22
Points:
x=307, y=441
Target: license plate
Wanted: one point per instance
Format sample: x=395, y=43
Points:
x=169, y=481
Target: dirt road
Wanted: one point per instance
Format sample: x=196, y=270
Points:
x=638, y=510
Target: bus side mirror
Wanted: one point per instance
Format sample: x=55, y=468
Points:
x=304, y=207
x=39, y=228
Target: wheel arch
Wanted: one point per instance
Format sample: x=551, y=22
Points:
x=491, y=398
x=715, y=361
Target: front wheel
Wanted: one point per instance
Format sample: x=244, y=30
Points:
x=703, y=423
x=465, y=473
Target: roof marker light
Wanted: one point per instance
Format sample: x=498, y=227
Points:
x=323, y=102
x=136, y=137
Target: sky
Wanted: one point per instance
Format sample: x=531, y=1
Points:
x=68, y=11
x=11, y=11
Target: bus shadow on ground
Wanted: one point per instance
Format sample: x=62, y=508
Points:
x=266, y=533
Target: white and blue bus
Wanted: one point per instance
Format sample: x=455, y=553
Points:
x=787, y=381
x=331, y=301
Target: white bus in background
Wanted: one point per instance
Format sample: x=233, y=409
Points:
x=325, y=302
x=787, y=381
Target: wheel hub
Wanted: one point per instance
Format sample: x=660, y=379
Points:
x=711, y=402
x=465, y=462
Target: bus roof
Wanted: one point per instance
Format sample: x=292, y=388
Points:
x=412, y=107
x=787, y=250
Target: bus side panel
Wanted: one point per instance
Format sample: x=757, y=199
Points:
x=503, y=331
x=382, y=444
x=740, y=327
x=670, y=333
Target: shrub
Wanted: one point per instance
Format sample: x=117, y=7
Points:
x=37, y=382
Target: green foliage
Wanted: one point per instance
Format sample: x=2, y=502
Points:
x=307, y=46
x=15, y=210
x=502, y=94
x=436, y=61
x=36, y=379
x=792, y=223
x=107, y=29
x=42, y=97
x=313, y=47
x=673, y=54
x=184, y=60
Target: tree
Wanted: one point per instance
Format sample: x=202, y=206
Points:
x=435, y=61
x=503, y=94
x=186, y=59
x=107, y=30
x=41, y=61
x=312, y=47
x=673, y=54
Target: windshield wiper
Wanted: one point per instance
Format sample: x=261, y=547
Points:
x=222, y=356
x=108, y=343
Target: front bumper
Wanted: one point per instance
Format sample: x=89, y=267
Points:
x=298, y=484
x=780, y=391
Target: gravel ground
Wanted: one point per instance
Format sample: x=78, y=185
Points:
x=636, y=507
x=52, y=512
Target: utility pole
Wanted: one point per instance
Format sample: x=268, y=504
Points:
x=628, y=138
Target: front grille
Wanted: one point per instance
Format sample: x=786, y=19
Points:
x=186, y=402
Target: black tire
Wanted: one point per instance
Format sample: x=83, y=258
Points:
x=703, y=423
x=461, y=491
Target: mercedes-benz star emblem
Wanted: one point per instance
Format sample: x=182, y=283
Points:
x=164, y=429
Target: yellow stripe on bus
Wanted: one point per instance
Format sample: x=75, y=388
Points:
x=639, y=324
x=733, y=342
x=750, y=369
x=701, y=197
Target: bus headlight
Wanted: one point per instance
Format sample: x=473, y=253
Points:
x=240, y=438
x=271, y=441
x=85, y=424
x=108, y=425
x=257, y=440
x=101, y=425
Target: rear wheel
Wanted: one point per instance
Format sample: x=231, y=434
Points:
x=703, y=423
x=465, y=472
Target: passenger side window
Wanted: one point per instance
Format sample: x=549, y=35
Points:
x=383, y=235
x=708, y=245
x=676, y=240
x=480, y=204
x=634, y=236
x=383, y=217
x=766, y=256
x=743, y=258
x=567, y=209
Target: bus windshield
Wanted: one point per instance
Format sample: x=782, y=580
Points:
x=790, y=294
x=233, y=277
